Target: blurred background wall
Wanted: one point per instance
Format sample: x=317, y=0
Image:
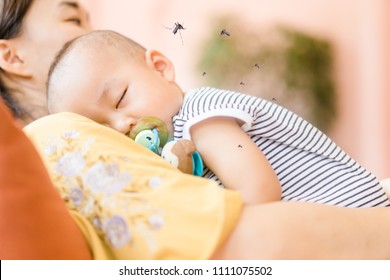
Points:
x=358, y=31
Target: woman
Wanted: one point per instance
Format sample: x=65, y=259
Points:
x=32, y=31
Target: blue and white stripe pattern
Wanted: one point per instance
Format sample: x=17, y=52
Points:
x=309, y=165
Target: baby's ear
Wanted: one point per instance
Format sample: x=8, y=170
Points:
x=10, y=60
x=160, y=63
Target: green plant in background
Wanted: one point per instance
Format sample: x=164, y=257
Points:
x=284, y=65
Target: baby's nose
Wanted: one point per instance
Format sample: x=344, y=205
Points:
x=125, y=125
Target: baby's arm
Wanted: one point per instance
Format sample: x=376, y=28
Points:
x=236, y=160
x=386, y=186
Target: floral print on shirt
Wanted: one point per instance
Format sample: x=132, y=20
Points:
x=98, y=187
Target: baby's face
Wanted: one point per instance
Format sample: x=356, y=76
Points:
x=116, y=91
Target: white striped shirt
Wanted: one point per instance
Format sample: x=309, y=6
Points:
x=308, y=164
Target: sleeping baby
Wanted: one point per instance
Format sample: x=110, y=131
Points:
x=248, y=144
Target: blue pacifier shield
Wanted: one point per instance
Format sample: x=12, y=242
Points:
x=149, y=139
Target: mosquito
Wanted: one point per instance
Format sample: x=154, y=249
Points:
x=224, y=32
x=176, y=28
x=204, y=74
x=242, y=83
x=258, y=65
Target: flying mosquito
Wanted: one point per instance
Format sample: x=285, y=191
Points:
x=224, y=32
x=176, y=28
x=204, y=74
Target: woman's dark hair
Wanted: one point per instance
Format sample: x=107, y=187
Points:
x=12, y=13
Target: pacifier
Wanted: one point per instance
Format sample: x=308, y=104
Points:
x=149, y=139
x=152, y=133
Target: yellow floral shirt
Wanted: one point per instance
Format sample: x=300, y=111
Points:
x=128, y=202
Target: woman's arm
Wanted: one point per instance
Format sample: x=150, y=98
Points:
x=302, y=230
x=236, y=160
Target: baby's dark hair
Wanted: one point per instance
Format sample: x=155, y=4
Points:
x=94, y=39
